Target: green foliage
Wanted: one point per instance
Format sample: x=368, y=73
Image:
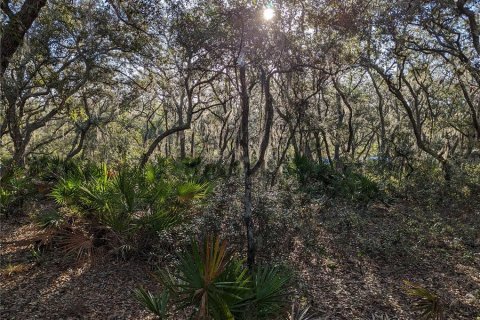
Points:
x=268, y=293
x=218, y=286
x=321, y=178
x=14, y=188
x=357, y=187
x=426, y=183
x=208, y=279
x=213, y=171
x=126, y=183
x=48, y=168
x=49, y=218
x=129, y=200
x=471, y=173
x=426, y=303
x=308, y=171
x=191, y=190
x=65, y=191
x=157, y=304
x=187, y=168
x=37, y=255
x=6, y=198
x=158, y=221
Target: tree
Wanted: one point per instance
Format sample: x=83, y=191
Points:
x=14, y=31
x=66, y=51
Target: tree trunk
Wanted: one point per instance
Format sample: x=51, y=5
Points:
x=192, y=144
x=244, y=142
x=16, y=28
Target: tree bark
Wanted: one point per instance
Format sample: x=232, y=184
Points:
x=350, y=143
x=16, y=28
x=244, y=143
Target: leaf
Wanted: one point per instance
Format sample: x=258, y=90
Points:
x=425, y=302
x=157, y=304
x=78, y=243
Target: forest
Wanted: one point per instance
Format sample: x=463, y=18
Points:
x=240, y=159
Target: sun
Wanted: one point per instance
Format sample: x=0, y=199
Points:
x=268, y=14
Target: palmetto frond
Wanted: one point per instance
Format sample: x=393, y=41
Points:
x=95, y=197
x=301, y=313
x=50, y=218
x=268, y=293
x=127, y=184
x=426, y=303
x=192, y=191
x=157, y=304
x=78, y=243
x=159, y=220
x=65, y=191
x=119, y=222
x=220, y=287
x=209, y=279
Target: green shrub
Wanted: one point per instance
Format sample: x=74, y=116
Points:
x=268, y=293
x=14, y=188
x=130, y=201
x=214, y=171
x=217, y=286
x=321, y=178
x=356, y=187
x=6, y=198
x=157, y=304
x=49, y=218
x=66, y=190
x=208, y=279
x=51, y=169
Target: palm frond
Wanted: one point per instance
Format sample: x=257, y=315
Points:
x=78, y=243
x=268, y=294
x=157, y=304
x=126, y=183
x=50, y=218
x=426, y=303
x=300, y=313
x=192, y=191
x=65, y=192
x=159, y=220
x=208, y=279
x=119, y=222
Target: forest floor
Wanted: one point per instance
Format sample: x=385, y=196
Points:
x=348, y=263
x=59, y=288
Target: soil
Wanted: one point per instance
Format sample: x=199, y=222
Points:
x=347, y=263
x=63, y=288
